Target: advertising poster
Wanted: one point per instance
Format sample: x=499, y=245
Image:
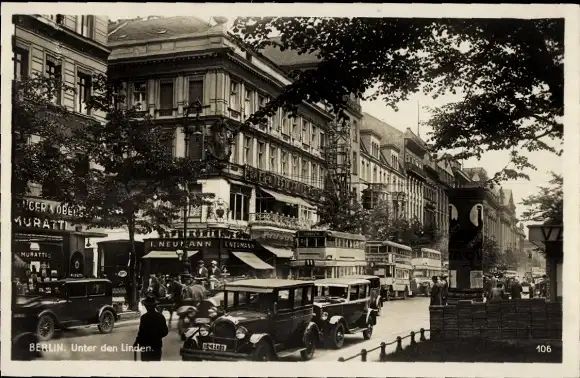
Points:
x=453, y=279
x=476, y=279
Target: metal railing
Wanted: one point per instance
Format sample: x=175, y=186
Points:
x=383, y=347
x=280, y=220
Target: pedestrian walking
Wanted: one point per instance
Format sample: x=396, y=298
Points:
x=497, y=293
x=516, y=289
x=215, y=270
x=444, y=289
x=435, y=293
x=152, y=330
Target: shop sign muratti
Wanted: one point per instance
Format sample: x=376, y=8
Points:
x=43, y=214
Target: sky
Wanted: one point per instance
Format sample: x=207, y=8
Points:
x=412, y=110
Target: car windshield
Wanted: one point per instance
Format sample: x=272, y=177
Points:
x=256, y=301
x=331, y=292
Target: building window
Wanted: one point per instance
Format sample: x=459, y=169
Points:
x=248, y=103
x=355, y=129
x=83, y=92
x=294, y=123
x=262, y=102
x=166, y=98
x=314, y=139
x=322, y=140
x=234, y=95
x=235, y=156
x=315, y=175
x=87, y=26
x=285, y=122
x=305, y=137
x=375, y=174
x=273, y=165
x=20, y=59
x=261, y=155
x=284, y=163
x=247, y=150
x=195, y=91
x=295, y=171
x=140, y=95
x=354, y=163
x=239, y=202
x=305, y=166
x=54, y=71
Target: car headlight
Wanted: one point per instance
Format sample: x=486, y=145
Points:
x=212, y=312
x=241, y=333
x=324, y=316
x=204, y=331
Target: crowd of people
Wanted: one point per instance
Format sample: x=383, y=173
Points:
x=439, y=290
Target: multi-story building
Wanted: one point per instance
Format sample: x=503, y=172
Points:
x=71, y=49
x=275, y=175
x=381, y=168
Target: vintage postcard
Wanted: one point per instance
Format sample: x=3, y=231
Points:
x=324, y=189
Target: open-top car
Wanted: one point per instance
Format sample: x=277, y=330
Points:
x=66, y=303
x=342, y=306
x=376, y=300
x=257, y=319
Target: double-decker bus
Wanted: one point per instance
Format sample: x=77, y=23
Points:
x=392, y=263
x=328, y=254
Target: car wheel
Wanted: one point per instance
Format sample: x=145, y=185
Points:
x=106, y=321
x=336, y=336
x=308, y=353
x=45, y=328
x=368, y=332
x=263, y=352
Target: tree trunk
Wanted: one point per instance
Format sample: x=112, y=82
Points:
x=132, y=268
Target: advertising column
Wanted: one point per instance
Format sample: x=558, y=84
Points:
x=465, y=243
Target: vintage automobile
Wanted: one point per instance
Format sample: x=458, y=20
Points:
x=260, y=319
x=376, y=301
x=65, y=304
x=342, y=306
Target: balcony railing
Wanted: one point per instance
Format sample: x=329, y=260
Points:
x=414, y=169
x=280, y=221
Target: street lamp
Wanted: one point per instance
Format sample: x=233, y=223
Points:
x=195, y=107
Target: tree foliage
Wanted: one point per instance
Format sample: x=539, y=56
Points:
x=493, y=258
x=547, y=206
x=509, y=71
x=41, y=137
x=378, y=223
x=340, y=212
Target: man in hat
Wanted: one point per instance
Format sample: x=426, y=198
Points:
x=435, y=292
x=152, y=330
x=202, y=270
x=215, y=270
x=444, y=289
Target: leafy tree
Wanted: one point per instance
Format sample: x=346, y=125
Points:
x=509, y=71
x=135, y=182
x=548, y=205
x=340, y=212
x=378, y=222
x=493, y=259
x=41, y=137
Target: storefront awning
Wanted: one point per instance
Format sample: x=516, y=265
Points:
x=253, y=260
x=286, y=198
x=282, y=253
x=166, y=254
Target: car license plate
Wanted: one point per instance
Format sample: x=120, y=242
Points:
x=202, y=320
x=214, y=347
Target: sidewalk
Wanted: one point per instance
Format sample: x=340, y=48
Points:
x=128, y=318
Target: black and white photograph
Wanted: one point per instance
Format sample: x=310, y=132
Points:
x=188, y=185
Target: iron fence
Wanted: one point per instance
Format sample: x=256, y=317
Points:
x=383, y=346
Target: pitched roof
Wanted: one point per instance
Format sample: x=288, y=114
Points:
x=158, y=27
x=288, y=57
x=388, y=133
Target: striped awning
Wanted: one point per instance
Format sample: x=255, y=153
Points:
x=282, y=253
x=253, y=260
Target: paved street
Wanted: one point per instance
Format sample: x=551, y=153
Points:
x=398, y=318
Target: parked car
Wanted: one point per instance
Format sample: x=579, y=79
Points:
x=342, y=306
x=262, y=320
x=67, y=303
x=377, y=300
